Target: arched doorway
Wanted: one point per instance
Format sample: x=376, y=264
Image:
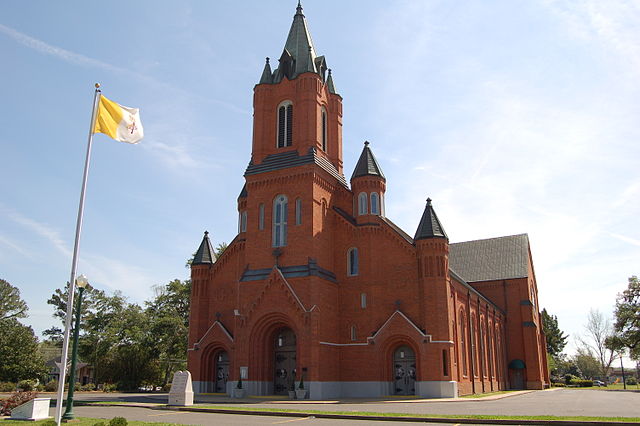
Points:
x=221, y=369
x=516, y=373
x=404, y=371
x=284, y=344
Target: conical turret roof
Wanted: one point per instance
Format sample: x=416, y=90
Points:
x=205, y=254
x=430, y=226
x=367, y=164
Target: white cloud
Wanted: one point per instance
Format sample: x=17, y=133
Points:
x=43, y=230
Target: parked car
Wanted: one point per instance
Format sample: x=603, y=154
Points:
x=599, y=383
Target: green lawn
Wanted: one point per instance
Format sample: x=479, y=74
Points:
x=617, y=386
x=482, y=395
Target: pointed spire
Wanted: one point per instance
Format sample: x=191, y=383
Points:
x=430, y=226
x=330, y=86
x=300, y=45
x=205, y=254
x=267, y=77
x=367, y=164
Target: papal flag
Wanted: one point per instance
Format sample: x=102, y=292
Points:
x=118, y=122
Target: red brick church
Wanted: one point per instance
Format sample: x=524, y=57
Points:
x=319, y=284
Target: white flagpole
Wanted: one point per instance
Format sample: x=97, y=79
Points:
x=74, y=263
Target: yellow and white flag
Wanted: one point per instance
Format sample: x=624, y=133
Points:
x=118, y=122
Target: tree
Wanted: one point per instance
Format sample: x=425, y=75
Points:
x=599, y=332
x=169, y=322
x=627, y=315
x=19, y=355
x=556, y=339
x=586, y=363
x=11, y=305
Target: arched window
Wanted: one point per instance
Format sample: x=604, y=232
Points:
x=298, y=211
x=323, y=118
x=463, y=346
x=352, y=261
x=362, y=203
x=261, y=216
x=354, y=334
x=280, y=221
x=375, y=203
x=285, y=122
x=242, y=222
x=363, y=300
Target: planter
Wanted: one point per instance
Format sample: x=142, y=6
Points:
x=238, y=393
x=292, y=394
x=301, y=393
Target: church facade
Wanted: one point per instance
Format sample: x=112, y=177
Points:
x=319, y=286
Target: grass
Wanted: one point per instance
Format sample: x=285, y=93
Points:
x=425, y=416
x=80, y=421
x=482, y=395
x=617, y=386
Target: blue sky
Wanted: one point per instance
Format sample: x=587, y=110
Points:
x=512, y=116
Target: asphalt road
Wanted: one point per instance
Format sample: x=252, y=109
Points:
x=557, y=402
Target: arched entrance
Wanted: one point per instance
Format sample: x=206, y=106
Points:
x=404, y=371
x=284, y=345
x=516, y=374
x=221, y=369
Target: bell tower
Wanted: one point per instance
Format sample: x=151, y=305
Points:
x=296, y=107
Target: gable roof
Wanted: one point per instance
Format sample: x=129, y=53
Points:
x=491, y=259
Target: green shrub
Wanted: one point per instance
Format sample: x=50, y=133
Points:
x=14, y=400
x=88, y=387
x=27, y=385
x=558, y=385
x=52, y=386
x=109, y=387
x=7, y=387
x=581, y=383
x=99, y=424
x=632, y=381
x=118, y=421
x=166, y=388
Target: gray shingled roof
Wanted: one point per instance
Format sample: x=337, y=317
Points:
x=367, y=164
x=283, y=160
x=430, y=226
x=491, y=259
x=205, y=254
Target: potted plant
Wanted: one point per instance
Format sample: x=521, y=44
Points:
x=301, y=392
x=238, y=392
x=292, y=387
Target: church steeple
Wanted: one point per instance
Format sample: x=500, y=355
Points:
x=298, y=56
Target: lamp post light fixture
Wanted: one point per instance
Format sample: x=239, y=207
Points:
x=81, y=282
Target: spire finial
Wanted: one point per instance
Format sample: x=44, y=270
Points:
x=366, y=143
x=428, y=201
x=299, y=9
x=267, y=59
x=206, y=233
x=329, y=71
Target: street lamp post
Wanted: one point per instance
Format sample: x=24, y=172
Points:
x=81, y=282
